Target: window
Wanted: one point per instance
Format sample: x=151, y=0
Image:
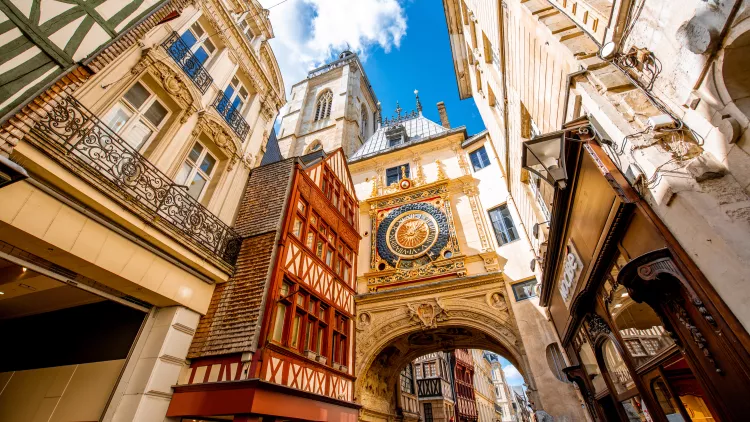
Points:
x=524, y=290
x=301, y=320
x=556, y=362
x=430, y=370
x=235, y=97
x=487, y=48
x=502, y=224
x=137, y=117
x=363, y=122
x=196, y=170
x=535, y=183
x=479, y=158
x=340, y=339
x=298, y=225
x=323, y=105
x=428, y=412
x=196, y=38
x=407, y=380
x=419, y=370
x=394, y=174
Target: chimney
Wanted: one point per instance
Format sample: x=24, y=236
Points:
x=443, y=115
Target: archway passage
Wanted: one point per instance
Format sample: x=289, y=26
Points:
x=398, y=326
x=735, y=74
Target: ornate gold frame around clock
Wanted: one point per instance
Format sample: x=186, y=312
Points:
x=450, y=262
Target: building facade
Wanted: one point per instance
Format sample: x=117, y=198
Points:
x=435, y=387
x=484, y=388
x=282, y=327
x=503, y=396
x=647, y=101
x=137, y=124
x=335, y=106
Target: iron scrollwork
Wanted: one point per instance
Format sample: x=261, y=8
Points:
x=112, y=160
x=596, y=326
x=180, y=52
x=231, y=115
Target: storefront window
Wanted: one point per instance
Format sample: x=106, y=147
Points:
x=666, y=401
x=681, y=381
x=618, y=372
x=588, y=361
x=641, y=329
x=635, y=409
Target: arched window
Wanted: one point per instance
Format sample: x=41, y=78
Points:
x=363, y=122
x=556, y=362
x=323, y=106
x=314, y=146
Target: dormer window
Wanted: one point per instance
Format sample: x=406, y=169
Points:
x=396, y=136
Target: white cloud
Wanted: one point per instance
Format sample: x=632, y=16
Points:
x=309, y=32
x=512, y=376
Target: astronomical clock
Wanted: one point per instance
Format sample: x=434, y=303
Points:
x=413, y=236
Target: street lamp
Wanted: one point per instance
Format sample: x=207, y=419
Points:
x=10, y=172
x=545, y=156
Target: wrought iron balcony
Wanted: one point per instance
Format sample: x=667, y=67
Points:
x=231, y=115
x=91, y=146
x=185, y=58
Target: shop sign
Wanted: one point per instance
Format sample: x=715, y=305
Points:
x=572, y=268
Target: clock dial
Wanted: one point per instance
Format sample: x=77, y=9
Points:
x=412, y=235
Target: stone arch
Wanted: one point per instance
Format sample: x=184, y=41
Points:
x=313, y=146
x=728, y=76
x=394, y=328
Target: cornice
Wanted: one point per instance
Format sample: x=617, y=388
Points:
x=452, y=285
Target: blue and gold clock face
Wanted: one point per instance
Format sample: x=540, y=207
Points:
x=412, y=235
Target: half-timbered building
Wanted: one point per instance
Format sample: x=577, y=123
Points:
x=278, y=338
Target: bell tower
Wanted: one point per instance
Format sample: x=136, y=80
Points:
x=334, y=106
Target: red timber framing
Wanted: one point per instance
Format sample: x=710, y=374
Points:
x=302, y=365
x=307, y=335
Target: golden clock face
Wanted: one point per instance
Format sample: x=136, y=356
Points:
x=412, y=234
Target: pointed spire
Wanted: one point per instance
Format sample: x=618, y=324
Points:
x=419, y=103
x=398, y=110
x=380, y=114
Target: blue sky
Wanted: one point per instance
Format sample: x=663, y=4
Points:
x=402, y=44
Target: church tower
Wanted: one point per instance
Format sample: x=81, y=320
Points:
x=333, y=107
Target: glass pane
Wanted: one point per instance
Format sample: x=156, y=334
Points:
x=243, y=93
x=201, y=55
x=682, y=382
x=618, y=372
x=196, y=186
x=640, y=327
x=322, y=313
x=137, y=95
x=117, y=117
x=300, y=300
x=278, y=325
x=208, y=164
x=319, y=344
x=284, y=290
x=235, y=81
x=294, y=341
x=308, y=334
x=636, y=410
x=195, y=153
x=156, y=113
x=301, y=207
x=297, y=228
x=329, y=257
x=137, y=134
x=311, y=306
x=310, y=240
x=209, y=46
x=198, y=29
x=183, y=174
x=666, y=401
x=319, y=249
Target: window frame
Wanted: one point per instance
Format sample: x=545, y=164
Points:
x=481, y=162
x=196, y=168
x=139, y=114
x=237, y=88
x=398, y=172
x=531, y=281
x=201, y=40
x=323, y=105
x=507, y=230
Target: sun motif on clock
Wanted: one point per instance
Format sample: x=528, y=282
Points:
x=412, y=235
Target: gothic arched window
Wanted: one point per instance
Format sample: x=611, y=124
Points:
x=363, y=122
x=323, y=105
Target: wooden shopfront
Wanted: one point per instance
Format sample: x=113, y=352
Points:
x=648, y=337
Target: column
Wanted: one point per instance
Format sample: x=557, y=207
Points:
x=145, y=388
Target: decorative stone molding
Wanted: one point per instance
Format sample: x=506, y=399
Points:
x=171, y=80
x=223, y=138
x=427, y=314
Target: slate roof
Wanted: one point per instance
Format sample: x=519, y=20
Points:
x=233, y=318
x=418, y=128
x=273, y=153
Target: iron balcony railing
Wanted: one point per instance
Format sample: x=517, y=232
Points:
x=131, y=178
x=231, y=115
x=185, y=58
